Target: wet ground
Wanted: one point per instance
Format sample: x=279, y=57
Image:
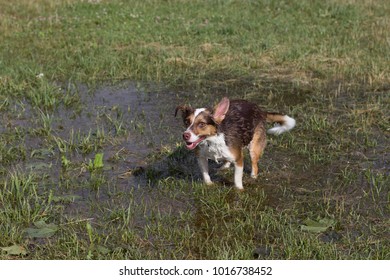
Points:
x=134, y=128
x=133, y=125
x=128, y=123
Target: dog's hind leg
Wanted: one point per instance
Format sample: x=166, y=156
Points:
x=256, y=148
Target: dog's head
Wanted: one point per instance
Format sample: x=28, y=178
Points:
x=202, y=123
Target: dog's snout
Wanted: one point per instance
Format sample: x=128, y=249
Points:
x=186, y=136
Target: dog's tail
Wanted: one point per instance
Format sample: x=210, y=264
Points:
x=283, y=123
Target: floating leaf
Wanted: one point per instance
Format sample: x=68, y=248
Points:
x=64, y=162
x=15, y=250
x=317, y=227
x=98, y=161
x=42, y=230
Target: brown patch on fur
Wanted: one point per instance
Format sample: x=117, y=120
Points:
x=256, y=148
x=238, y=154
x=204, y=124
x=275, y=117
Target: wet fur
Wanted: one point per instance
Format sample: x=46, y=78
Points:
x=221, y=134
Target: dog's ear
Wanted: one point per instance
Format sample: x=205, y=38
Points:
x=186, y=110
x=220, y=110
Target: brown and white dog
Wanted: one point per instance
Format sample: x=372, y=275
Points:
x=221, y=134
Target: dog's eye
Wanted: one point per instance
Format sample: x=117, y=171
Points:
x=187, y=122
x=202, y=125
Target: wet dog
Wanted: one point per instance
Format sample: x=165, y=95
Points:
x=221, y=134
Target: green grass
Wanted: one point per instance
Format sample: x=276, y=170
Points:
x=85, y=79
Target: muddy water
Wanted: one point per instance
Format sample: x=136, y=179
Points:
x=147, y=116
x=140, y=119
x=128, y=123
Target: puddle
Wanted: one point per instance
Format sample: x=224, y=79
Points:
x=128, y=123
x=125, y=111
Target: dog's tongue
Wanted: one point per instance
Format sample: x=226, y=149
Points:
x=191, y=146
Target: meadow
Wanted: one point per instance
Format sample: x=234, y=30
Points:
x=92, y=165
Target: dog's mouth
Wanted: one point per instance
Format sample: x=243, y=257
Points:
x=192, y=145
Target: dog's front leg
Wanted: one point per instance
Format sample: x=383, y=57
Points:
x=204, y=168
x=239, y=172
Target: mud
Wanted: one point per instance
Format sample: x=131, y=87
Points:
x=129, y=123
x=134, y=127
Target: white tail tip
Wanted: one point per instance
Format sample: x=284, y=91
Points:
x=287, y=125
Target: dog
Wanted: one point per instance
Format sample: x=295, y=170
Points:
x=221, y=133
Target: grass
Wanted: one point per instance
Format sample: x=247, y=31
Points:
x=91, y=162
